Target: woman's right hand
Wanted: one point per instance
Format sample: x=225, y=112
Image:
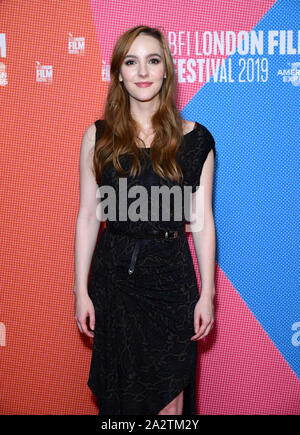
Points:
x=84, y=314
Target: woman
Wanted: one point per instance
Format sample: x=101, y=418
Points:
x=142, y=304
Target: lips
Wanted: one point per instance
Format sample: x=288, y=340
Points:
x=144, y=84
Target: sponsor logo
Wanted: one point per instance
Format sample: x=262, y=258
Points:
x=291, y=75
x=296, y=335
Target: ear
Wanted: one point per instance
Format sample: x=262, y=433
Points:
x=120, y=77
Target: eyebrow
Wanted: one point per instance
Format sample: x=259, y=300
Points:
x=152, y=54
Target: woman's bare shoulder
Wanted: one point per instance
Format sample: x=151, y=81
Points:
x=88, y=138
x=187, y=126
x=90, y=130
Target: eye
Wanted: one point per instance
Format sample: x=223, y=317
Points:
x=156, y=61
x=127, y=63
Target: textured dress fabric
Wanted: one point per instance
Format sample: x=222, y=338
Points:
x=142, y=353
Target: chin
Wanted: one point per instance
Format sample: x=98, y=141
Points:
x=144, y=95
x=141, y=99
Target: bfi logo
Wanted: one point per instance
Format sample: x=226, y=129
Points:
x=105, y=71
x=44, y=73
x=2, y=335
x=76, y=45
x=3, y=73
x=2, y=45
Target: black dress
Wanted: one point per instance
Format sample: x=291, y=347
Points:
x=142, y=353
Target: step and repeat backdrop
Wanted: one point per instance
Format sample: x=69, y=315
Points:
x=238, y=73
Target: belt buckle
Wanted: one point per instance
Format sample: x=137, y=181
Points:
x=171, y=235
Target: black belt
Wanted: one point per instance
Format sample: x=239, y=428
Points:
x=160, y=234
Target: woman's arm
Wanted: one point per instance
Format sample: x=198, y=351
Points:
x=87, y=228
x=204, y=238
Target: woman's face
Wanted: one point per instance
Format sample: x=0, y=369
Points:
x=144, y=62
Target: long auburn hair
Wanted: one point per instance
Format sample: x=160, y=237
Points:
x=120, y=131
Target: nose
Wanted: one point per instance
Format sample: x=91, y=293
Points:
x=143, y=70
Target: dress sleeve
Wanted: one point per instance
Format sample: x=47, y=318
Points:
x=203, y=142
x=99, y=127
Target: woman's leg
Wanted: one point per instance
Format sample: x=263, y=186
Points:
x=174, y=407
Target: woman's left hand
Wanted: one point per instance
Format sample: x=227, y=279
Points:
x=203, y=317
